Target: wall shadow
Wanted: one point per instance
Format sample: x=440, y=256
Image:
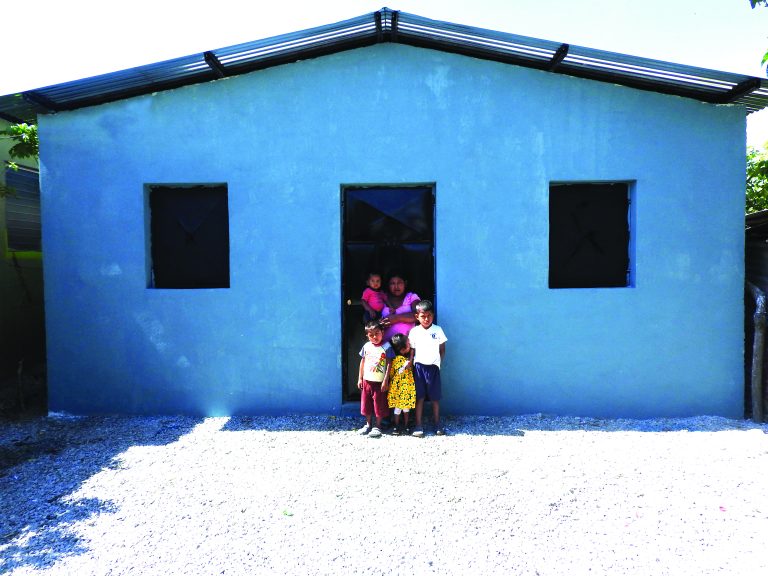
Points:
x=499, y=425
x=519, y=425
x=44, y=460
x=292, y=423
x=485, y=426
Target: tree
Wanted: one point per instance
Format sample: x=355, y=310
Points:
x=757, y=161
x=26, y=146
x=757, y=179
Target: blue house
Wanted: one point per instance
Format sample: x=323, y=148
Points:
x=207, y=223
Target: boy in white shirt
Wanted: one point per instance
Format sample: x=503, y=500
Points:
x=427, y=352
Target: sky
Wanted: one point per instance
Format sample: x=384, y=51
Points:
x=46, y=42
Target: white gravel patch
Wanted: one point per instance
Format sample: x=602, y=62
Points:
x=306, y=495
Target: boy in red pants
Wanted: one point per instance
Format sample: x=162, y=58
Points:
x=376, y=356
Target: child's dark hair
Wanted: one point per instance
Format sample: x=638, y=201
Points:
x=374, y=273
x=398, y=341
x=424, y=306
x=372, y=325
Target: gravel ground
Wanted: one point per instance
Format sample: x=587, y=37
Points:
x=306, y=495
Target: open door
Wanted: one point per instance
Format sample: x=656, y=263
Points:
x=384, y=228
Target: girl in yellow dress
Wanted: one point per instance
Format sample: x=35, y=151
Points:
x=402, y=389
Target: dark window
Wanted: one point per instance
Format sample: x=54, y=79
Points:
x=189, y=236
x=22, y=210
x=588, y=235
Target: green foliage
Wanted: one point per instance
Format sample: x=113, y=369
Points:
x=26, y=145
x=757, y=160
x=757, y=179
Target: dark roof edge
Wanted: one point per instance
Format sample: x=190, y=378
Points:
x=756, y=219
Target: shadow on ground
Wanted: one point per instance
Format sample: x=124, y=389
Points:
x=291, y=424
x=480, y=426
x=25, y=394
x=35, y=526
x=499, y=425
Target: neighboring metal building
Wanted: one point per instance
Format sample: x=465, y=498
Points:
x=22, y=333
x=550, y=197
x=756, y=271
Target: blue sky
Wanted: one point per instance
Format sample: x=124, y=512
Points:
x=67, y=40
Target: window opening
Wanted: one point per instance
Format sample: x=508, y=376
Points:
x=589, y=235
x=189, y=236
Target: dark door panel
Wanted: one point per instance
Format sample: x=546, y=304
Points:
x=385, y=229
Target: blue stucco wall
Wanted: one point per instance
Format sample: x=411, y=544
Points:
x=491, y=137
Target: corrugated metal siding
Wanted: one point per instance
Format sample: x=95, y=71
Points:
x=22, y=210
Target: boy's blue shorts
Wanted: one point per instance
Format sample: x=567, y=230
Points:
x=427, y=377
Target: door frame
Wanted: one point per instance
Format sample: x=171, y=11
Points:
x=346, y=299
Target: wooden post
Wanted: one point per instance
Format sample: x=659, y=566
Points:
x=758, y=346
x=20, y=385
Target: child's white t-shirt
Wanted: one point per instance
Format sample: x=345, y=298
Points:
x=427, y=342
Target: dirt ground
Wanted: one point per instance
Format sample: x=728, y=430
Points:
x=527, y=495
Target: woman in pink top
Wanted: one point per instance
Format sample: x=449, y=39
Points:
x=400, y=317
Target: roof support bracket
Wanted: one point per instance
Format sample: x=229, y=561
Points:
x=741, y=89
x=395, y=15
x=558, y=57
x=40, y=100
x=386, y=25
x=214, y=64
x=379, y=30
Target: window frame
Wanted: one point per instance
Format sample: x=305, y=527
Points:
x=629, y=273
x=151, y=250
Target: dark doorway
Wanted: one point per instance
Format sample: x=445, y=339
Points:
x=384, y=228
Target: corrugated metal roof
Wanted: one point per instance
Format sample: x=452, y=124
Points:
x=388, y=25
